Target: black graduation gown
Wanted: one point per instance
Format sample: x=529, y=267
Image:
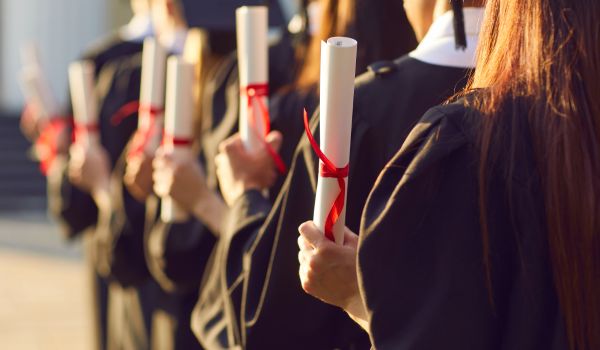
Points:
x=120, y=253
x=285, y=112
x=74, y=209
x=421, y=264
x=177, y=253
x=262, y=267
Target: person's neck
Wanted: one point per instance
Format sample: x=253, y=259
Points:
x=443, y=6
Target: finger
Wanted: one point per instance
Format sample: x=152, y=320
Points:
x=160, y=152
x=228, y=142
x=274, y=139
x=311, y=233
x=301, y=258
x=160, y=189
x=303, y=244
x=350, y=238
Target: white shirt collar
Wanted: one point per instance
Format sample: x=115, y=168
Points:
x=138, y=28
x=439, y=47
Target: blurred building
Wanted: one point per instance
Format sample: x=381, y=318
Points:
x=61, y=29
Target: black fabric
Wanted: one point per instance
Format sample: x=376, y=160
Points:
x=119, y=243
x=387, y=105
x=170, y=332
x=220, y=14
x=421, y=263
x=286, y=111
x=74, y=209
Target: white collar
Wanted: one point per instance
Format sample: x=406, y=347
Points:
x=138, y=28
x=174, y=42
x=439, y=47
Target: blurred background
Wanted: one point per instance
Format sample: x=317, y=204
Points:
x=41, y=276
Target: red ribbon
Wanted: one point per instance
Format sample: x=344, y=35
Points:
x=79, y=130
x=46, y=145
x=329, y=170
x=256, y=92
x=141, y=136
x=176, y=141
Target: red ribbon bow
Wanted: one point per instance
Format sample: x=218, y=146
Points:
x=329, y=170
x=46, y=145
x=256, y=92
x=141, y=136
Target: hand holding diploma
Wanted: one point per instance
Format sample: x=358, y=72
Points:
x=180, y=177
x=36, y=88
x=239, y=170
x=138, y=173
x=41, y=121
x=178, y=125
x=89, y=167
x=252, y=24
x=328, y=270
x=85, y=104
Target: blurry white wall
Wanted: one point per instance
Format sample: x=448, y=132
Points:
x=61, y=28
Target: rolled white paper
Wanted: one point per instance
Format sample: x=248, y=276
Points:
x=37, y=90
x=30, y=55
x=338, y=67
x=152, y=92
x=253, y=67
x=83, y=97
x=178, y=122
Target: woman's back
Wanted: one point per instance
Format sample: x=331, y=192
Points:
x=429, y=288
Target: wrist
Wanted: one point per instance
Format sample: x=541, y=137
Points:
x=211, y=210
x=355, y=308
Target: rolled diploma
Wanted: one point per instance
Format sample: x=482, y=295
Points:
x=252, y=24
x=152, y=92
x=37, y=90
x=178, y=122
x=338, y=66
x=83, y=96
x=30, y=55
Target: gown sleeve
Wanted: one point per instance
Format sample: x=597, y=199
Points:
x=74, y=209
x=177, y=253
x=421, y=267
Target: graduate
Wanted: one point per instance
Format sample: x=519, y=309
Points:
x=336, y=19
x=482, y=231
x=405, y=88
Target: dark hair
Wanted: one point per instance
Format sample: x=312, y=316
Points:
x=380, y=27
x=548, y=53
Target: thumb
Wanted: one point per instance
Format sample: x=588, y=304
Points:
x=311, y=233
x=350, y=238
x=274, y=139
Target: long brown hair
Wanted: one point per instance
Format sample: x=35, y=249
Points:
x=548, y=53
x=382, y=31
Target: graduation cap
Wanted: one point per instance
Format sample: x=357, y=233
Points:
x=219, y=15
x=459, y=25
